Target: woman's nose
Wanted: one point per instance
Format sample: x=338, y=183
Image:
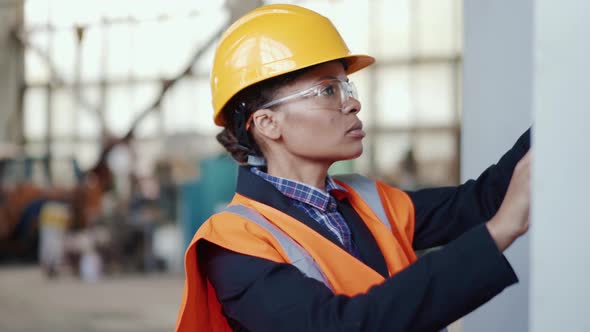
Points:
x=352, y=105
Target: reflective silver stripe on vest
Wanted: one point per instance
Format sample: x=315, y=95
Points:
x=367, y=189
x=298, y=256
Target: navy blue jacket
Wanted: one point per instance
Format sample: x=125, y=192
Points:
x=442, y=286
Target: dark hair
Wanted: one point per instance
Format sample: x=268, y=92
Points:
x=249, y=101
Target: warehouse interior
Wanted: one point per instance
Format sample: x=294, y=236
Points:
x=109, y=162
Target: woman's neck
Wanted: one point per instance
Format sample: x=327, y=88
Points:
x=309, y=172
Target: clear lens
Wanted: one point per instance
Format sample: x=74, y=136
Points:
x=330, y=94
x=334, y=94
x=352, y=92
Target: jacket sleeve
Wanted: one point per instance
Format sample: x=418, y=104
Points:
x=260, y=295
x=442, y=214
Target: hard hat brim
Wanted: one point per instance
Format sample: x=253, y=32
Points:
x=355, y=62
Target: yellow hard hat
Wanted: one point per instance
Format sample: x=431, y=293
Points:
x=270, y=41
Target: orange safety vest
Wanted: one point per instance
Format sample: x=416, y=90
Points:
x=252, y=228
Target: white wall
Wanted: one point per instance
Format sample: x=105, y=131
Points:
x=560, y=249
x=497, y=107
x=522, y=58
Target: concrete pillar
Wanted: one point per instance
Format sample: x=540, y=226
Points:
x=12, y=69
x=497, y=107
x=531, y=58
x=560, y=250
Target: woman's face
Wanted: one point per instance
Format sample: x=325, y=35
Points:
x=320, y=128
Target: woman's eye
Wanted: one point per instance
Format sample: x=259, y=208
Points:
x=328, y=91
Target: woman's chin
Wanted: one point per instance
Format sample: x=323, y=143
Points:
x=335, y=154
x=351, y=152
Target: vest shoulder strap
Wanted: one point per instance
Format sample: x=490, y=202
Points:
x=298, y=256
x=367, y=189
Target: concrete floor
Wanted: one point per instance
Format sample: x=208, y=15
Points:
x=29, y=302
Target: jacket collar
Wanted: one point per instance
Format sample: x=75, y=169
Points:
x=254, y=187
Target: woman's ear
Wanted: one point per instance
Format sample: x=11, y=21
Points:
x=266, y=123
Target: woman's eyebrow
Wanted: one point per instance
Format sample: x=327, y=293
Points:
x=328, y=77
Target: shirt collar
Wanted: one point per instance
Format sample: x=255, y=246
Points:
x=302, y=192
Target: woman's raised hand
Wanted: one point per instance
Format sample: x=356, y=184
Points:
x=512, y=219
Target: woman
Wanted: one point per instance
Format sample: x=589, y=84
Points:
x=297, y=250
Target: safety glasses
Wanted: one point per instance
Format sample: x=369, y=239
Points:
x=330, y=94
x=327, y=94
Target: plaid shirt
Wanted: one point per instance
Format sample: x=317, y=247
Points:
x=318, y=204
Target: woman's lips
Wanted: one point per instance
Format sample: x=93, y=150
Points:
x=357, y=133
x=356, y=130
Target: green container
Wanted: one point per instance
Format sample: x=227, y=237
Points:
x=206, y=196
